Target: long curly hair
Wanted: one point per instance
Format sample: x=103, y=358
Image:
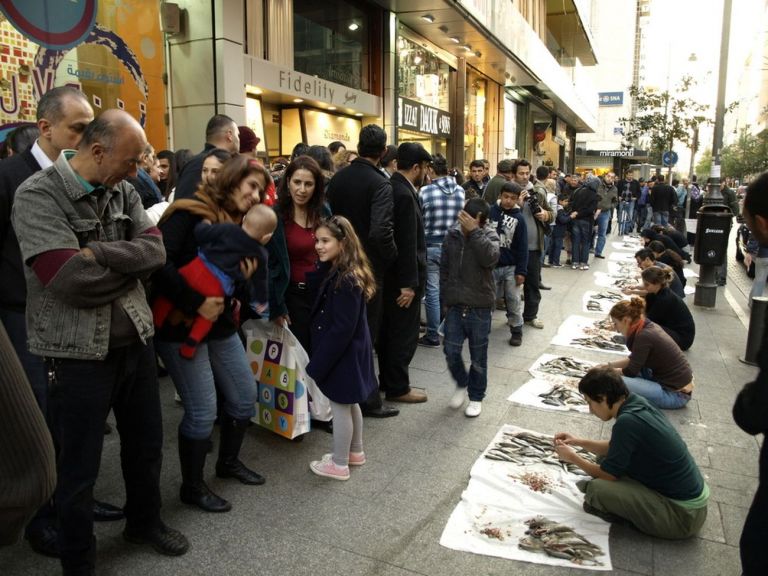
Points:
x=352, y=263
x=232, y=173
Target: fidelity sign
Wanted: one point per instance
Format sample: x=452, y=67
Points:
x=413, y=115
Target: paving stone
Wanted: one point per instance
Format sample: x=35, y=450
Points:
x=695, y=556
x=733, y=522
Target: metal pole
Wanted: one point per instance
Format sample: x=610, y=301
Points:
x=706, y=287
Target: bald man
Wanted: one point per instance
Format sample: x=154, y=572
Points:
x=87, y=245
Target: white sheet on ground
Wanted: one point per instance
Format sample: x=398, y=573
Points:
x=494, y=498
x=688, y=273
x=529, y=395
x=609, y=280
x=622, y=256
x=575, y=327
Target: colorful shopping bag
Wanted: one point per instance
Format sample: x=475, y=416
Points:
x=279, y=364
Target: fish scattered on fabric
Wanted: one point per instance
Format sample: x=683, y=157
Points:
x=563, y=395
x=527, y=448
x=492, y=532
x=600, y=342
x=559, y=541
x=564, y=366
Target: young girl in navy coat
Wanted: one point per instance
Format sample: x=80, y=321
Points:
x=342, y=356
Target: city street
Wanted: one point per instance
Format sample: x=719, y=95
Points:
x=388, y=518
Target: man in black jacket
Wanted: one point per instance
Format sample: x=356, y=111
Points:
x=751, y=408
x=629, y=192
x=220, y=132
x=477, y=181
x=62, y=115
x=405, y=281
x=363, y=195
x=663, y=201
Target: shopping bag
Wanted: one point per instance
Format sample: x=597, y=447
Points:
x=319, y=405
x=279, y=366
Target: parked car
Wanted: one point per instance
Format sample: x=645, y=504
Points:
x=742, y=238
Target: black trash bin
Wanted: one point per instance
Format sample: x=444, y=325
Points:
x=712, y=231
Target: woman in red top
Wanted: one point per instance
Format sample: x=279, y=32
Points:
x=300, y=206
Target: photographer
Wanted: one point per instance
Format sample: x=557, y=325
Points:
x=537, y=214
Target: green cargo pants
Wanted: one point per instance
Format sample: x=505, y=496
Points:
x=646, y=509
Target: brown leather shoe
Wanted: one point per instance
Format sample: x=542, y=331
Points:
x=414, y=396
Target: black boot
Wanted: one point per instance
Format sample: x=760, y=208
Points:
x=228, y=465
x=194, y=490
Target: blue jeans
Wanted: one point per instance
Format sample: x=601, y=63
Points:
x=432, y=293
x=655, y=393
x=661, y=217
x=194, y=380
x=626, y=216
x=581, y=231
x=556, y=245
x=602, y=228
x=506, y=286
x=474, y=325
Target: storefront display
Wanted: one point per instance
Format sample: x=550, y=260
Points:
x=474, y=120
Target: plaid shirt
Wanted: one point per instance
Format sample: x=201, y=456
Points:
x=440, y=202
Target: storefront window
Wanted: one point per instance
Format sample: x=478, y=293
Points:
x=474, y=118
x=510, y=128
x=422, y=75
x=331, y=40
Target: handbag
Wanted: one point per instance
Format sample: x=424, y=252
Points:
x=279, y=366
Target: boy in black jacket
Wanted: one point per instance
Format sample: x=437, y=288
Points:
x=507, y=219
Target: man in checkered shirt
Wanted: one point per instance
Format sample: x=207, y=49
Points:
x=440, y=202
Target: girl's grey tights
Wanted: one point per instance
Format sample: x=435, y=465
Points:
x=347, y=431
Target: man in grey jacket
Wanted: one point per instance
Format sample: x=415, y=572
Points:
x=87, y=247
x=468, y=294
x=607, y=198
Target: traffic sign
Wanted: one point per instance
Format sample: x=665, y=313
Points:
x=669, y=158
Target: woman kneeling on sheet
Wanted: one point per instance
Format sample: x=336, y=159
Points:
x=656, y=368
x=646, y=476
x=666, y=308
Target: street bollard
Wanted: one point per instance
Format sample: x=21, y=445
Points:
x=756, y=331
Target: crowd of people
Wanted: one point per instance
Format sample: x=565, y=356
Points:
x=114, y=256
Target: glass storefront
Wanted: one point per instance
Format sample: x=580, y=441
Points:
x=331, y=40
x=511, y=112
x=423, y=102
x=422, y=76
x=474, y=117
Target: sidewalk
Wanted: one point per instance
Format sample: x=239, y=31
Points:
x=388, y=518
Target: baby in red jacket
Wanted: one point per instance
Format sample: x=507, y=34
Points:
x=222, y=248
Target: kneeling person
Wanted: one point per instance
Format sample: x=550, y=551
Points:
x=646, y=476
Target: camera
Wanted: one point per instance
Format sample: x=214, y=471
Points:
x=533, y=203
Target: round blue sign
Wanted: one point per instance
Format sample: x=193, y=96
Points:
x=669, y=158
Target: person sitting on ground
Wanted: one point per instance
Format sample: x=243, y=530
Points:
x=219, y=265
x=648, y=235
x=666, y=308
x=676, y=236
x=645, y=258
x=656, y=368
x=647, y=475
x=666, y=256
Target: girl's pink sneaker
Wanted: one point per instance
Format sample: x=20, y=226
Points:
x=327, y=468
x=355, y=458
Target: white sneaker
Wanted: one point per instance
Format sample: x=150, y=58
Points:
x=473, y=409
x=536, y=323
x=457, y=400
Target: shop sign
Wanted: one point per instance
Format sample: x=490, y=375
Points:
x=630, y=153
x=323, y=128
x=275, y=78
x=611, y=98
x=413, y=115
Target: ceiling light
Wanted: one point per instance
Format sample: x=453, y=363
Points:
x=354, y=26
x=455, y=39
x=428, y=18
x=467, y=47
x=478, y=54
x=298, y=100
x=443, y=29
x=358, y=113
x=331, y=107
